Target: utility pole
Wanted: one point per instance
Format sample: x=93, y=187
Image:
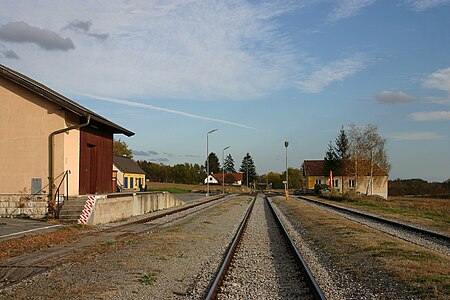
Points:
x=207, y=161
x=286, y=144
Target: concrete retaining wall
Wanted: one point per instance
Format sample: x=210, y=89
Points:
x=21, y=205
x=122, y=206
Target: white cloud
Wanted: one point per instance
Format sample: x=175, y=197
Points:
x=174, y=49
x=431, y=116
x=421, y=5
x=389, y=97
x=439, y=80
x=416, y=136
x=152, y=107
x=348, y=8
x=335, y=71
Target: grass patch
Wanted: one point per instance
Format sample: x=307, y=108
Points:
x=172, y=190
x=148, y=278
x=429, y=212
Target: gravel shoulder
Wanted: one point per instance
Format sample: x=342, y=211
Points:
x=352, y=261
x=173, y=261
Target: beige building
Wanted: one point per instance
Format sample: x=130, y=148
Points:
x=351, y=177
x=45, y=136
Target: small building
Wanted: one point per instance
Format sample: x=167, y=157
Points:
x=127, y=174
x=230, y=178
x=350, y=177
x=211, y=179
x=49, y=141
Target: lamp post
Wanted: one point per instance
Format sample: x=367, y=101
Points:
x=286, y=144
x=223, y=169
x=207, y=160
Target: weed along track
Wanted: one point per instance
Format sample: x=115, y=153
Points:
x=262, y=262
x=18, y=268
x=413, y=234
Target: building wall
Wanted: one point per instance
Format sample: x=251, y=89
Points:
x=362, y=185
x=133, y=177
x=26, y=120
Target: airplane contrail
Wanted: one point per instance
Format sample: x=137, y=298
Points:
x=149, y=106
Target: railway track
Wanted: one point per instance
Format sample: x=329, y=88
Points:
x=16, y=269
x=426, y=238
x=262, y=261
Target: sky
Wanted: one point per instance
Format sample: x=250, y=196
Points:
x=261, y=72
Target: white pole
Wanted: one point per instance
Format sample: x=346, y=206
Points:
x=286, y=144
x=207, y=161
x=223, y=169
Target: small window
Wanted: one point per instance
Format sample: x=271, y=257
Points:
x=318, y=181
x=351, y=183
x=125, y=182
x=336, y=183
x=131, y=183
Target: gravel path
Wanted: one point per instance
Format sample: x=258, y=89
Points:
x=263, y=266
x=176, y=260
x=412, y=237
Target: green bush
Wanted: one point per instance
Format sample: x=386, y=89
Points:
x=318, y=188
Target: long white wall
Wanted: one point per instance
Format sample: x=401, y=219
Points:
x=123, y=206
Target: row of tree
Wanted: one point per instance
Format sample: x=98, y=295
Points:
x=195, y=173
x=418, y=187
x=181, y=173
x=275, y=180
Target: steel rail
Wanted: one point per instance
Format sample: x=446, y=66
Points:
x=309, y=278
x=212, y=294
x=427, y=233
x=311, y=281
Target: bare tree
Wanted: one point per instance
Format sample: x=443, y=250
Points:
x=367, y=149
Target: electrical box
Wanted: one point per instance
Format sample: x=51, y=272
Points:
x=36, y=186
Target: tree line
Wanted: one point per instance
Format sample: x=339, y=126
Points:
x=194, y=173
x=418, y=187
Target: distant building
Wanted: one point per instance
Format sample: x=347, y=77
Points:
x=351, y=176
x=127, y=173
x=230, y=178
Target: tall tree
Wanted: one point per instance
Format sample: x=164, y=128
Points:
x=214, y=164
x=121, y=148
x=368, y=148
x=296, y=179
x=228, y=164
x=248, y=167
x=275, y=179
x=367, y=144
x=331, y=161
x=342, y=145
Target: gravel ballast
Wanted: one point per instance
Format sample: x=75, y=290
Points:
x=176, y=260
x=263, y=266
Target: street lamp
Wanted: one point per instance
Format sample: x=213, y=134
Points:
x=286, y=144
x=207, y=160
x=223, y=169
